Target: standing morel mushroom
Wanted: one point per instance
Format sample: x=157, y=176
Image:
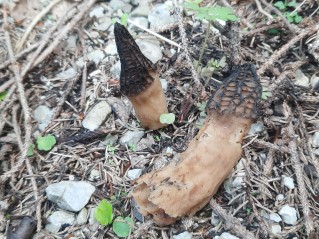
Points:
x=184, y=188
x=139, y=80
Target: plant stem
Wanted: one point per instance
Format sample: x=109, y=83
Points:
x=204, y=46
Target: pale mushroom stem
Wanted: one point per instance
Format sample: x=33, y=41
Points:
x=139, y=81
x=184, y=188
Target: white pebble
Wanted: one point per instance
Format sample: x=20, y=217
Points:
x=288, y=215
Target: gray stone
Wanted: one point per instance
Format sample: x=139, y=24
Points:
x=82, y=217
x=226, y=235
x=115, y=70
x=151, y=49
x=67, y=74
x=164, y=84
x=160, y=15
x=314, y=82
x=256, y=128
x=111, y=48
x=275, y=229
x=134, y=173
x=131, y=137
x=104, y=25
x=143, y=9
x=142, y=21
x=183, y=235
x=94, y=175
x=288, y=215
x=288, y=182
x=272, y=216
x=315, y=139
x=119, y=108
x=97, y=115
x=97, y=12
x=57, y=219
x=116, y=4
x=70, y=195
x=96, y=56
x=280, y=197
x=215, y=220
x=301, y=79
x=93, y=223
x=43, y=115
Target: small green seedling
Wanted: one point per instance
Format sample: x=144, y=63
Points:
x=167, y=118
x=202, y=115
x=104, y=213
x=111, y=149
x=292, y=17
x=132, y=146
x=46, y=143
x=31, y=150
x=123, y=19
x=3, y=95
x=265, y=94
x=157, y=137
x=123, y=226
x=210, y=13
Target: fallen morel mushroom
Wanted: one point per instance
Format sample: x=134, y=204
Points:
x=185, y=187
x=139, y=80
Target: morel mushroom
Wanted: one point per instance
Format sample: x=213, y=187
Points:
x=184, y=188
x=139, y=80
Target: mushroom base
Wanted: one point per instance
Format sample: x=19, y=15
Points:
x=184, y=188
x=149, y=105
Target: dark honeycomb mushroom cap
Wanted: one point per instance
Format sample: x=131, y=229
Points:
x=136, y=69
x=239, y=94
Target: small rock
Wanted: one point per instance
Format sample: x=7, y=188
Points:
x=68, y=74
x=96, y=56
x=94, y=175
x=93, y=224
x=164, y=84
x=145, y=143
x=288, y=215
x=256, y=128
x=119, y=108
x=43, y=115
x=131, y=137
x=280, y=197
x=160, y=15
x=314, y=81
x=316, y=152
x=151, y=49
x=215, y=220
x=116, y=4
x=226, y=235
x=136, y=212
x=142, y=21
x=70, y=195
x=71, y=44
x=288, y=182
x=168, y=151
x=97, y=12
x=183, y=235
x=315, y=139
x=301, y=79
x=97, y=115
x=115, y=70
x=104, y=26
x=138, y=161
x=275, y=229
x=134, y=173
x=239, y=179
x=57, y=219
x=143, y=9
x=111, y=48
x=82, y=217
x=272, y=216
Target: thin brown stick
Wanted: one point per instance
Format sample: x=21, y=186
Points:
x=280, y=148
x=261, y=10
x=230, y=221
x=6, y=85
x=298, y=169
x=84, y=7
x=279, y=53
